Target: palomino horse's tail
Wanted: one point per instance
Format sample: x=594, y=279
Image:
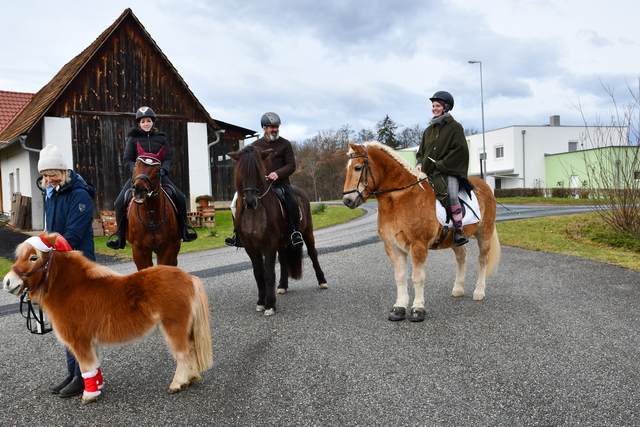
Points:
x=200, y=328
x=494, y=252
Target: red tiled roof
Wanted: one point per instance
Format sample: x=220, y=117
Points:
x=11, y=103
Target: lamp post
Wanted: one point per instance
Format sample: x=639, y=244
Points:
x=483, y=157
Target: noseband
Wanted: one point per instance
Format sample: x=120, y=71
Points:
x=255, y=190
x=46, y=264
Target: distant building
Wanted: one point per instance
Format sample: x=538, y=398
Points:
x=525, y=156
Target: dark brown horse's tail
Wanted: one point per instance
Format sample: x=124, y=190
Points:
x=295, y=262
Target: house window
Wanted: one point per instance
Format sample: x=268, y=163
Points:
x=498, y=183
x=573, y=146
x=499, y=152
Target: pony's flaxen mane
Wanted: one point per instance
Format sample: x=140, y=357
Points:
x=394, y=155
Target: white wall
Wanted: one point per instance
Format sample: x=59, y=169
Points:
x=199, y=171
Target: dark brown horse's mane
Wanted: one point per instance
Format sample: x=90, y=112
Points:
x=250, y=165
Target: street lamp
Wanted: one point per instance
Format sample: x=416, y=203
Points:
x=483, y=157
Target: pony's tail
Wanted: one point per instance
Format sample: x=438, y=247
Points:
x=200, y=328
x=494, y=252
x=295, y=262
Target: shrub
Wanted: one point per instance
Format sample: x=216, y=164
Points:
x=317, y=209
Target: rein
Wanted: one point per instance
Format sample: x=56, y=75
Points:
x=257, y=191
x=153, y=193
x=365, y=181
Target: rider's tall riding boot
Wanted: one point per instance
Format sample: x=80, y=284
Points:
x=459, y=237
x=188, y=232
x=121, y=240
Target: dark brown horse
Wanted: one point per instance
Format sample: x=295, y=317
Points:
x=263, y=229
x=407, y=222
x=152, y=220
x=90, y=305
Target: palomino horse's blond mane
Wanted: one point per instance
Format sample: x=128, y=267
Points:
x=391, y=152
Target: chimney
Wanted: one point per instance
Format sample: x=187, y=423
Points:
x=554, y=121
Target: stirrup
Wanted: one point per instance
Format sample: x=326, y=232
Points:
x=118, y=243
x=189, y=234
x=296, y=239
x=459, y=237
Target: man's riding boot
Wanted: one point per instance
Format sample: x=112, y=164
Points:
x=120, y=240
x=233, y=240
x=459, y=238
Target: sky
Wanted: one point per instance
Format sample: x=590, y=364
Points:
x=321, y=65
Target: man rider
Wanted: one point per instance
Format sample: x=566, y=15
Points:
x=283, y=165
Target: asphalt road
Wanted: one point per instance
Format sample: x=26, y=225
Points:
x=555, y=342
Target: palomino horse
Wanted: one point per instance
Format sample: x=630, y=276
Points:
x=89, y=305
x=153, y=223
x=263, y=230
x=407, y=222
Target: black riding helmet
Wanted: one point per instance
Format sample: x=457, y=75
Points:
x=145, y=112
x=446, y=97
x=270, y=119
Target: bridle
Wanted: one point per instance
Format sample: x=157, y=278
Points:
x=364, y=178
x=255, y=190
x=154, y=192
x=46, y=265
x=40, y=326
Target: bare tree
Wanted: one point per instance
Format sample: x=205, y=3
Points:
x=613, y=170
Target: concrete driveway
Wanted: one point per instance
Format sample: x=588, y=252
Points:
x=554, y=343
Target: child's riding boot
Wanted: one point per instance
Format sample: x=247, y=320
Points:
x=120, y=240
x=188, y=232
x=459, y=237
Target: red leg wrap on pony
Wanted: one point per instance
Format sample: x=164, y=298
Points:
x=92, y=381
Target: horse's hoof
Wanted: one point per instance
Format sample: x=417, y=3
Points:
x=417, y=315
x=89, y=399
x=282, y=291
x=397, y=313
x=324, y=286
x=457, y=294
x=177, y=389
x=270, y=312
x=260, y=308
x=478, y=296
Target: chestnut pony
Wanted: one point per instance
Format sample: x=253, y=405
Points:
x=89, y=305
x=152, y=220
x=264, y=231
x=407, y=222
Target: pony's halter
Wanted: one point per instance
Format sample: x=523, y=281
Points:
x=364, y=175
x=46, y=264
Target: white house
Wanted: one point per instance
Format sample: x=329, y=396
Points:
x=516, y=154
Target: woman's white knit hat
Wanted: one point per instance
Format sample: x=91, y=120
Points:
x=51, y=158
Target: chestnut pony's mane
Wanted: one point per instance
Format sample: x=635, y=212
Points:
x=91, y=269
x=394, y=155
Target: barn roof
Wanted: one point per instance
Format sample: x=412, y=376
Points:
x=41, y=101
x=11, y=103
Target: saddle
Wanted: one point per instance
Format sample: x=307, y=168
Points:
x=279, y=192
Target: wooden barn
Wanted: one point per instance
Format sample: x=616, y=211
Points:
x=88, y=108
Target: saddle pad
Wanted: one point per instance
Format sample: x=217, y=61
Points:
x=470, y=209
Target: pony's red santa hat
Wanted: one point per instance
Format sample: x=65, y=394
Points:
x=42, y=245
